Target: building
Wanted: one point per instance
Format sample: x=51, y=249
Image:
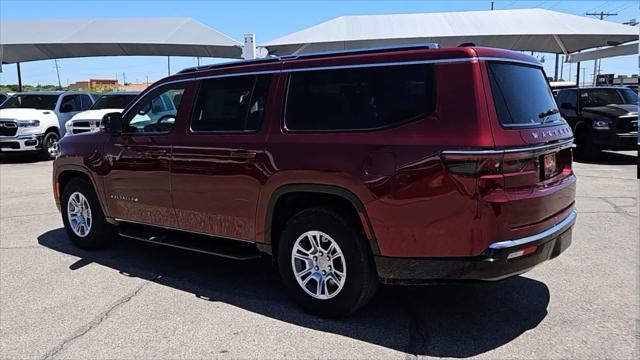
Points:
x=105, y=84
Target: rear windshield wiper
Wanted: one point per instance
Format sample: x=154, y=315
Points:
x=549, y=112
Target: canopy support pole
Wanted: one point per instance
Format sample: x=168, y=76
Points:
x=19, y=77
x=168, y=65
x=578, y=76
x=560, y=44
x=555, y=75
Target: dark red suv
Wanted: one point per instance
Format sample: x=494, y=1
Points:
x=403, y=165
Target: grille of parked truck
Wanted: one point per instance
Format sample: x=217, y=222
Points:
x=399, y=165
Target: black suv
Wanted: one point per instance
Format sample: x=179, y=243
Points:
x=601, y=118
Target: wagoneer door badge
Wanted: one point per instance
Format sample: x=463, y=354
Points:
x=123, y=198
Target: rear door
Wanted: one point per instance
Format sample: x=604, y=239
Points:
x=536, y=187
x=218, y=161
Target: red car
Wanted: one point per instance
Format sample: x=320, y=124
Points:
x=402, y=165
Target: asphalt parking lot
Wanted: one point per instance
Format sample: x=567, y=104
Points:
x=143, y=301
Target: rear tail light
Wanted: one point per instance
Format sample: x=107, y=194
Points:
x=487, y=165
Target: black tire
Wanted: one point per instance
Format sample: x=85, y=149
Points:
x=100, y=233
x=585, y=148
x=361, y=280
x=47, y=141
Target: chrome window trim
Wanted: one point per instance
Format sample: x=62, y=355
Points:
x=540, y=148
x=559, y=227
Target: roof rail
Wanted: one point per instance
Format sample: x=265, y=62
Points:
x=226, y=64
x=362, y=50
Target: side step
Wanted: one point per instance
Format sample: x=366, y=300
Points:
x=232, y=249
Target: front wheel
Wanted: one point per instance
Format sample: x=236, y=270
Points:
x=325, y=262
x=82, y=216
x=49, y=146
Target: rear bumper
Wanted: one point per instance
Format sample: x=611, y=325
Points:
x=619, y=141
x=491, y=265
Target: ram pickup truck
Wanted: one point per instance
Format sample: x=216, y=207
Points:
x=34, y=121
x=89, y=121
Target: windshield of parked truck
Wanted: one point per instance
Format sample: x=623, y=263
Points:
x=522, y=95
x=31, y=101
x=113, y=101
x=604, y=97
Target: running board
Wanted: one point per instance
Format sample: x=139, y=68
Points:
x=232, y=249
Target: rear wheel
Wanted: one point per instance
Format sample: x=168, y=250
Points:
x=82, y=216
x=49, y=145
x=325, y=263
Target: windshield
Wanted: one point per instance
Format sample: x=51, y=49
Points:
x=31, y=101
x=522, y=95
x=629, y=96
x=113, y=101
x=604, y=97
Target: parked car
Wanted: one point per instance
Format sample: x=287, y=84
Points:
x=601, y=118
x=404, y=165
x=88, y=121
x=3, y=97
x=34, y=121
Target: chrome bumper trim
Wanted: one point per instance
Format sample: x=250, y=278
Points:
x=556, y=229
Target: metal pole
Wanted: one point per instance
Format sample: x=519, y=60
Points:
x=168, y=65
x=492, y=5
x=562, y=68
x=19, y=77
x=595, y=69
x=578, y=76
x=555, y=76
x=58, y=73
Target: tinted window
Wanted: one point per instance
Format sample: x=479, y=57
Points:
x=230, y=104
x=86, y=102
x=522, y=95
x=31, y=101
x=359, y=98
x=152, y=114
x=71, y=103
x=599, y=97
x=629, y=96
x=113, y=102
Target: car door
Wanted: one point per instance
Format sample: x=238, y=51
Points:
x=138, y=182
x=217, y=164
x=568, y=104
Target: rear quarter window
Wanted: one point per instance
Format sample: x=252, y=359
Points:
x=359, y=98
x=522, y=95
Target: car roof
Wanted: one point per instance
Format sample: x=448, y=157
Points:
x=51, y=92
x=130, y=92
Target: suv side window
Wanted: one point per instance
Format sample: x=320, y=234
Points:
x=70, y=103
x=359, y=98
x=86, y=102
x=151, y=114
x=231, y=104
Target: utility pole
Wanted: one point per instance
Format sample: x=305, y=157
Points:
x=168, y=65
x=601, y=15
x=58, y=73
x=492, y=6
x=19, y=77
x=124, y=81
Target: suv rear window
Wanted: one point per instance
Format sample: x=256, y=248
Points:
x=359, y=98
x=522, y=95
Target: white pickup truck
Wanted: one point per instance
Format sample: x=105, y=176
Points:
x=34, y=121
x=89, y=121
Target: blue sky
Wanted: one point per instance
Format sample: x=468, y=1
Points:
x=267, y=19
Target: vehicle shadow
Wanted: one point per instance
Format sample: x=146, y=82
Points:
x=445, y=320
x=17, y=158
x=612, y=158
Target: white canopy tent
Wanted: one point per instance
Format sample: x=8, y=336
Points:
x=29, y=40
x=519, y=29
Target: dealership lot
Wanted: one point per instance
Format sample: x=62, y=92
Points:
x=137, y=300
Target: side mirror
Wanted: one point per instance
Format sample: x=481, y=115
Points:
x=567, y=105
x=112, y=123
